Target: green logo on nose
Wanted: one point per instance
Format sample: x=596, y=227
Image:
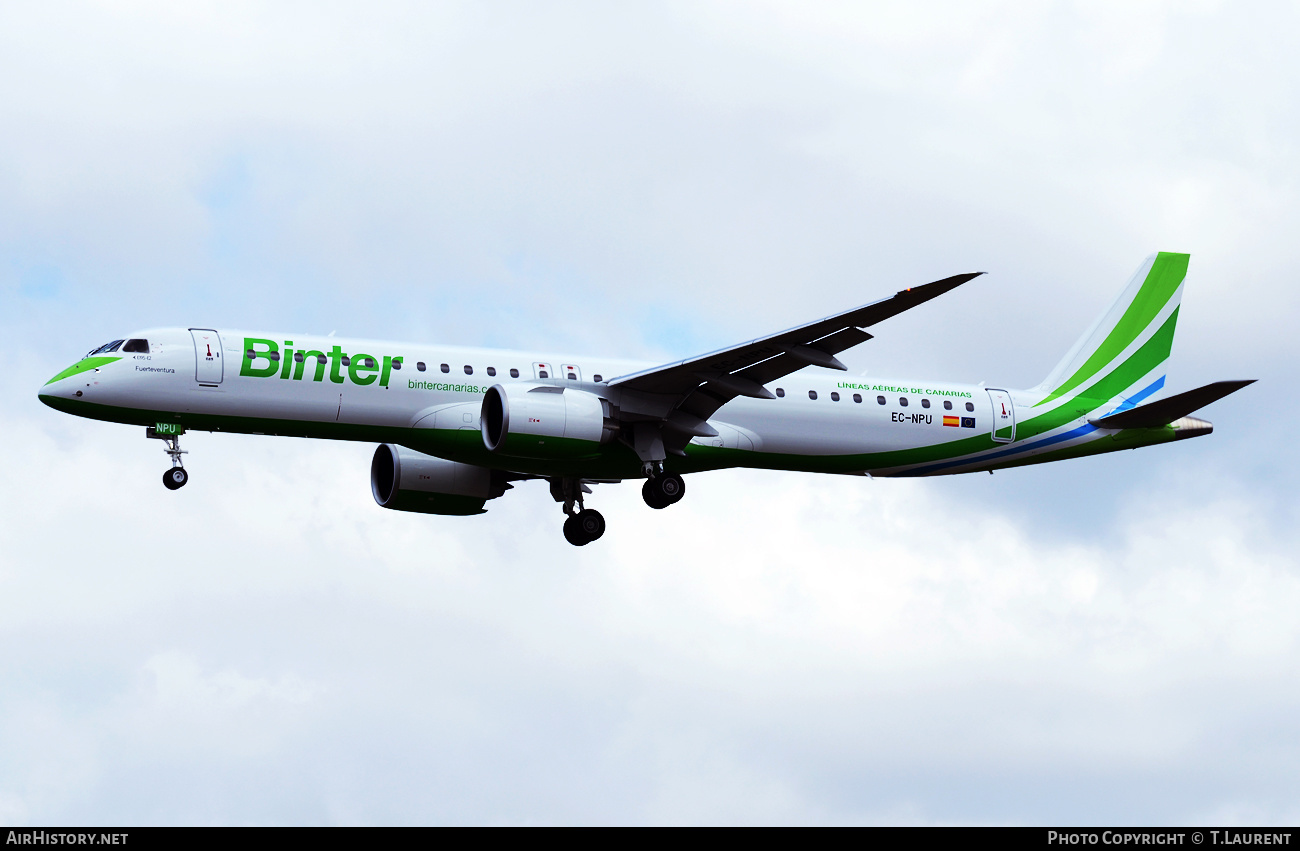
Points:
x=83, y=365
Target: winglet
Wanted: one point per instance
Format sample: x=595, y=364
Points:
x=938, y=288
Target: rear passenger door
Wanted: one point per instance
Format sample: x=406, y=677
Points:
x=1004, y=416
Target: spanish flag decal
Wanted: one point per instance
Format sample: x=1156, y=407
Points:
x=952, y=421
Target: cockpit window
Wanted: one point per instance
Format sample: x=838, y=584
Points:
x=136, y=346
x=105, y=349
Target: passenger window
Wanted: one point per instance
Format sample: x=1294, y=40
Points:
x=368, y=363
x=322, y=359
x=597, y=378
x=857, y=397
x=419, y=365
x=970, y=406
x=445, y=368
x=492, y=370
x=136, y=346
x=880, y=400
x=347, y=361
x=514, y=373
x=835, y=397
x=780, y=393
x=297, y=357
x=543, y=374
x=469, y=370
x=812, y=394
x=275, y=356
x=902, y=401
x=397, y=363
x=925, y=403
x=947, y=405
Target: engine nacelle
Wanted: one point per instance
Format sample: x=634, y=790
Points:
x=545, y=421
x=404, y=480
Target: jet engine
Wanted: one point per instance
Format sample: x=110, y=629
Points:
x=545, y=421
x=404, y=480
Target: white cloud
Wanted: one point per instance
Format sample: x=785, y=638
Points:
x=778, y=648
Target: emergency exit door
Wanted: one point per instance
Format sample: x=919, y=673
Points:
x=208, y=370
x=1004, y=416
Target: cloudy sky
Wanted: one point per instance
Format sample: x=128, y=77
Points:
x=1113, y=639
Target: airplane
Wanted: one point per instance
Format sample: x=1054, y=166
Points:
x=456, y=427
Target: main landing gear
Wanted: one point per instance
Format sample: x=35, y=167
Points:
x=662, y=490
x=176, y=477
x=582, y=525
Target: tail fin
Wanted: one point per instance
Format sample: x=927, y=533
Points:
x=1130, y=341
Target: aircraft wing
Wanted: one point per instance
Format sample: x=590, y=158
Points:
x=1164, y=411
x=707, y=382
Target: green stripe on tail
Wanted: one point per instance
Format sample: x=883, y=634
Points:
x=1162, y=281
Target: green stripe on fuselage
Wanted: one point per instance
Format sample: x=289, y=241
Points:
x=615, y=460
x=1103, y=392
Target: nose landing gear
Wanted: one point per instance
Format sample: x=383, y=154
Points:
x=176, y=477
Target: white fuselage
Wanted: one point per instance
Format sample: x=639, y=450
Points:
x=428, y=397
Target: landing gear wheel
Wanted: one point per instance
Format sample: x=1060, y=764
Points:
x=573, y=534
x=175, y=478
x=584, y=527
x=591, y=523
x=651, y=495
x=672, y=486
x=663, y=491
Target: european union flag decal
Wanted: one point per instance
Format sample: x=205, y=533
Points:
x=968, y=422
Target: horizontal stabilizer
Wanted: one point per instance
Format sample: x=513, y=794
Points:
x=1165, y=411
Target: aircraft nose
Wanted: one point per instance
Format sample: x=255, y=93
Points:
x=59, y=391
x=64, y=387
x=70, y=384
